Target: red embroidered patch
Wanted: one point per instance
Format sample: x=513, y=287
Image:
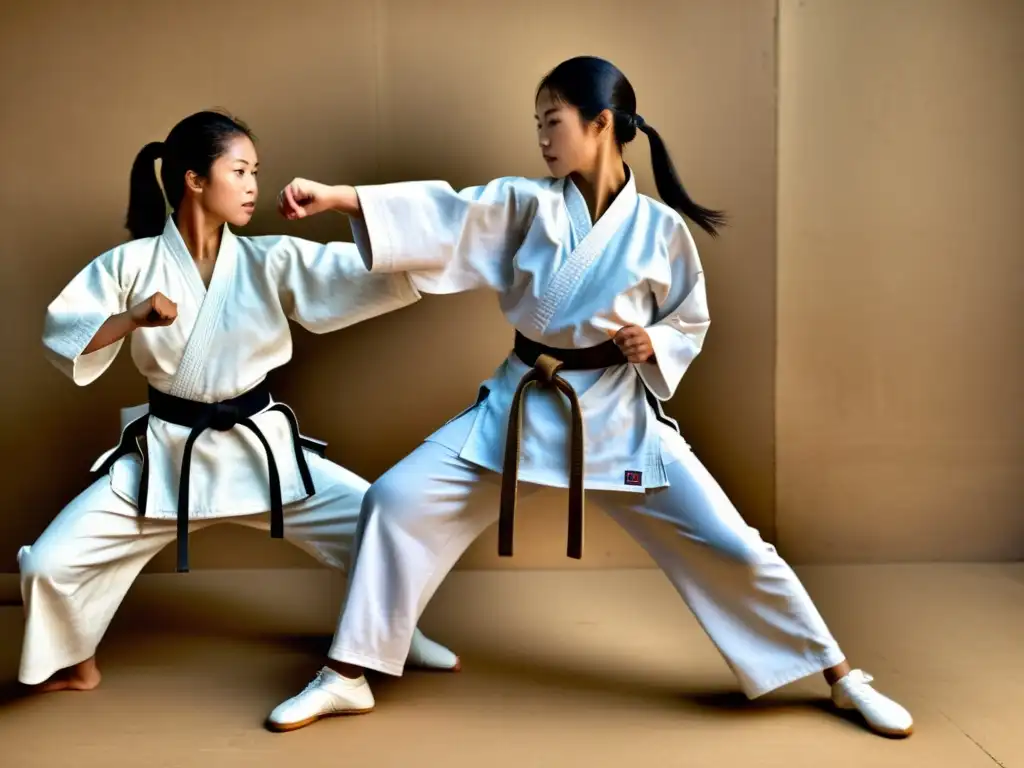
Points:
x=633, y=478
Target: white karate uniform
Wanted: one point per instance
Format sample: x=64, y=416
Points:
x=565, y=282
x=223, y=343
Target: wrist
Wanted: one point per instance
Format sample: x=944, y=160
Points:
x=129, y=320
x=344, y=199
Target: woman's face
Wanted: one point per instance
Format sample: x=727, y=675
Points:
x=229, y=191
x=567, y=143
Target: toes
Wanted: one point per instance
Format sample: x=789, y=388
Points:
x=54, y=685
x=68, y=683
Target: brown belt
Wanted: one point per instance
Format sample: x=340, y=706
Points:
x=546, y=362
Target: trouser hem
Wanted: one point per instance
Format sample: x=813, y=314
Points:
x=818, y=664
x=393, y=668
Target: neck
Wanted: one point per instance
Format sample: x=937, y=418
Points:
x=601, y=184
x=200, y=231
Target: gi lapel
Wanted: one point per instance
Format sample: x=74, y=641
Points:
x=594, y=239
x=186, y=380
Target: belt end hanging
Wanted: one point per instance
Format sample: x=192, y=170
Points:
x=277, y=522
x=182, y=525
x=182, y=554
x=506, y=528
x=574, y=549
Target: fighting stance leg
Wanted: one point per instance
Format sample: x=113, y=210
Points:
x=325, y=526
x=74, y=577
x=744, y=595
x=418, y=519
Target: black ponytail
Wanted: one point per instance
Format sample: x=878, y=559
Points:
x=670, y=188
x=192, y=145
x=592, y=85
x=147, y=210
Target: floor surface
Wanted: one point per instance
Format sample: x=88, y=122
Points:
x=567, y=668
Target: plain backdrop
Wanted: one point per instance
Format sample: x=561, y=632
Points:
x=859, y=396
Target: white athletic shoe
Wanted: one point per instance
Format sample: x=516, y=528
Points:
x=328, y=695
x=428, y=654
x=881, y=713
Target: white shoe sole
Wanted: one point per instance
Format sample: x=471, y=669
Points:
x=892, y=733
x=285, y=727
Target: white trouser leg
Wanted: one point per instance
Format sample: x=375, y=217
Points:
x=75, y=576
x=420, y=516
x=744, y=595
x=326, y=527
x=323, y=525
x=417, y=520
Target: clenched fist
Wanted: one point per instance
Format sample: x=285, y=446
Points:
x=155, y=311
x=634, y=343
x=302, y=198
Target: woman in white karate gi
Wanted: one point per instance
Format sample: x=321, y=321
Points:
x=576, y=258
x=208, y=316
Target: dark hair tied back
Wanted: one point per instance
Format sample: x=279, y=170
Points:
x=592, y=85
x=192, y=145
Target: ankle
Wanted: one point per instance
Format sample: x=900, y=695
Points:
x=86, y=669
x=350, y=671
x=834, y=674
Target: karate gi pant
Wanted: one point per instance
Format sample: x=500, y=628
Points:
x=74, y=577
x=422, y=514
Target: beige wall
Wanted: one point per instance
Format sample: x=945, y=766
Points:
x=362, y=92
x=897, y=164
x=900, y=335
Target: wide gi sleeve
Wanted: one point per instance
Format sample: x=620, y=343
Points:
x=447, y=240
x=97, y=292
x=326, y=286
x=682, y=318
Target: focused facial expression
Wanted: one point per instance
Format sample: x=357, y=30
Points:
x=230, y=190
x=567, y=143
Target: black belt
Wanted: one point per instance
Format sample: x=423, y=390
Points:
x=546, y=362
x=221, y=416
x=604, y=355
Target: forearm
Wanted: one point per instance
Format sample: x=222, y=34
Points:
x=115, y=328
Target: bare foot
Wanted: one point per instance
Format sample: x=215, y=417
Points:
x=81, y=677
